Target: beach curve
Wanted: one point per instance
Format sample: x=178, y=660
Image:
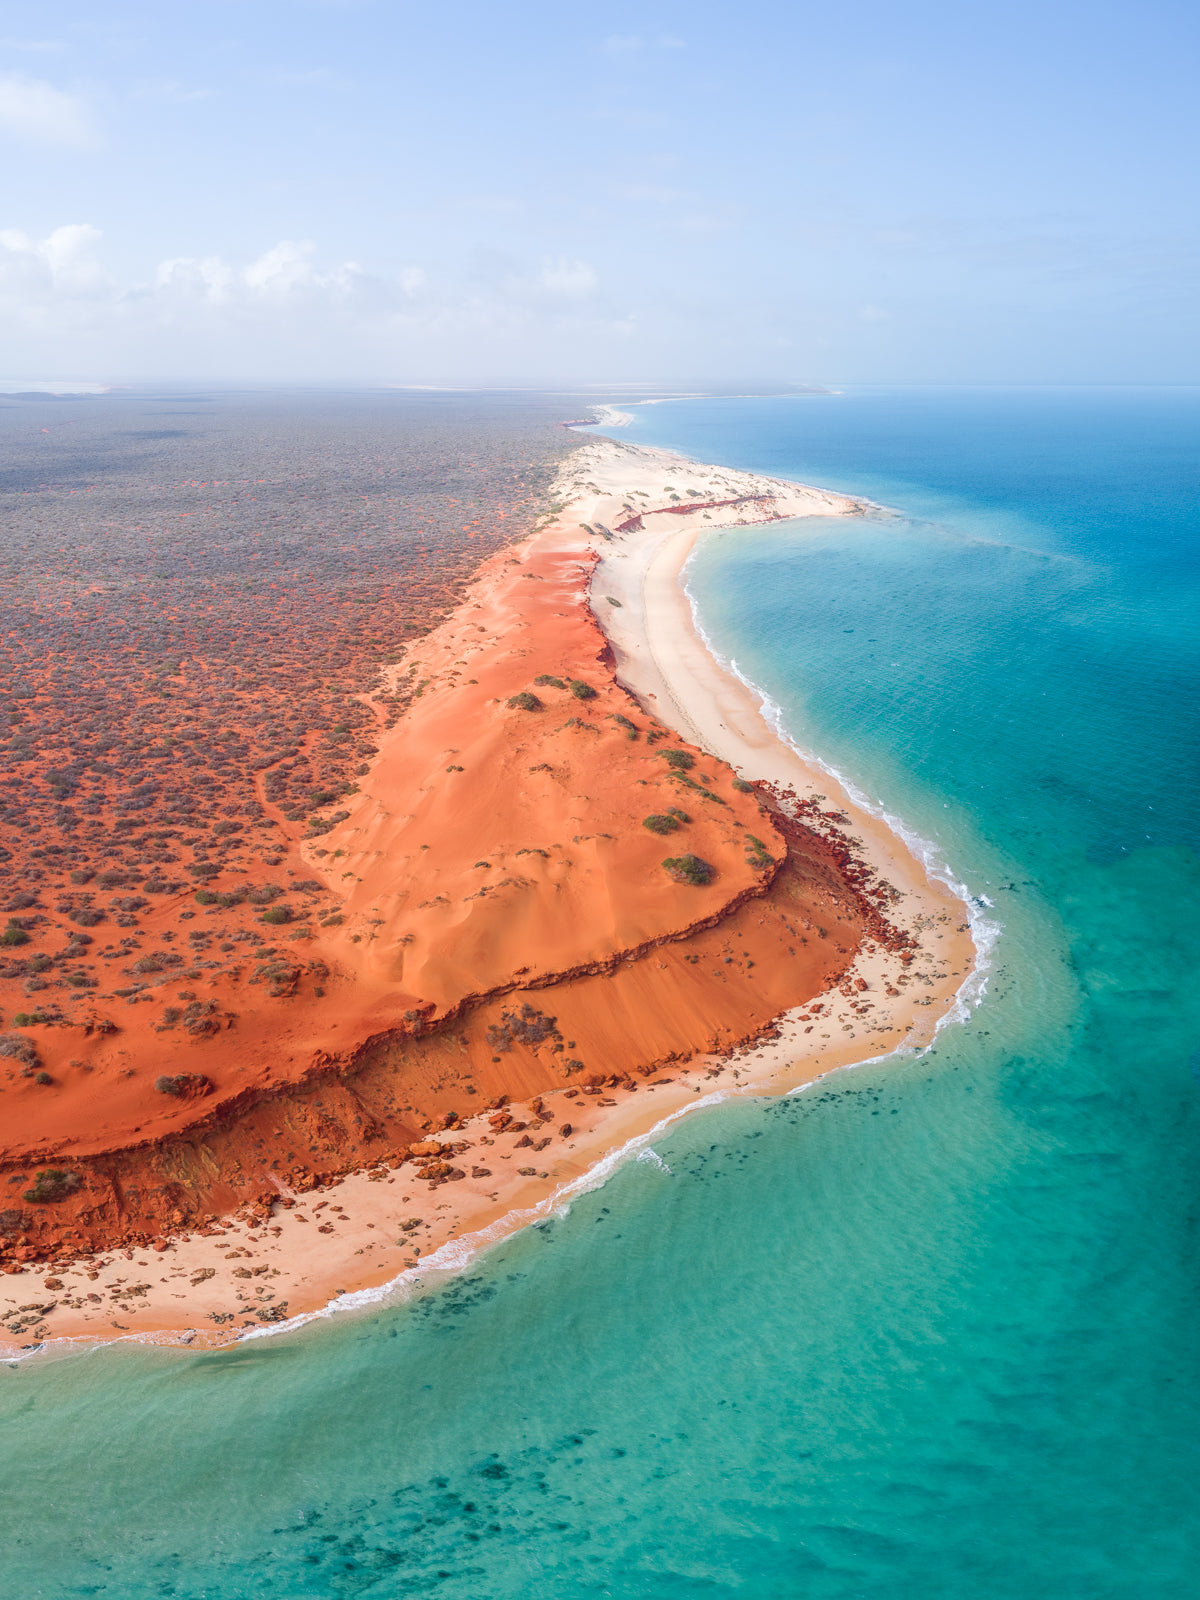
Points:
x=660, y=657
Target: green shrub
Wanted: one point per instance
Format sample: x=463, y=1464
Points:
x=276, y=915
x=742, y=786
x=320, y=825
x=185, y=1085
x=689, y=869
x=53, y=1184
x=581, y=690
x=322, y=797
x=205, y=897
x=524, y=702
x=697, y=788
x=680, y=760
x=527, y=1026
x=14, y=934
x=757, y=854
x=43, y=1078
x=549, y=680
x=660, y=824
x=612, y=601
x=680, y=816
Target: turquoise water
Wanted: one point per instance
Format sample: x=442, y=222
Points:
x=927, y=1331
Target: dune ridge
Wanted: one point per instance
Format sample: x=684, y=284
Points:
x=506, y=963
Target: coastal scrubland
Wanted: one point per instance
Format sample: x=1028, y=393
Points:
x=197, y=592
x=360, y=885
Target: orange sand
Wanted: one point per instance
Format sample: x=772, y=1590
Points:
x=496, y=923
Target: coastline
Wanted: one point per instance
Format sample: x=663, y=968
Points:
x=661, y=657
x=664, y=658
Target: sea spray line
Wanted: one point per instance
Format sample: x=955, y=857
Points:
x=455, y=1254
x=915, y=1051
x=448, y=1259
x=984, y=933
x=653, y=1159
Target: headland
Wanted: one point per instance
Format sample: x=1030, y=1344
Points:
x=579, y=885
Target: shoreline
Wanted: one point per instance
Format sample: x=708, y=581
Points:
x=663, y=659
x=667, y=662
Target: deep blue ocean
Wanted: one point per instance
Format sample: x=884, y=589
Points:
x=926, y=1332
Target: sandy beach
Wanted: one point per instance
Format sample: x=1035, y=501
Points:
x=624, y=524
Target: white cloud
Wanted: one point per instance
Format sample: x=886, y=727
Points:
x=33, y=109
x=280, y=273
x=286, y=313
x=60, y=266
x=62, y=270
x=197, y=277
x=282, y=268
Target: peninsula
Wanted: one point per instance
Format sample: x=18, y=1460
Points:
x=579, y=885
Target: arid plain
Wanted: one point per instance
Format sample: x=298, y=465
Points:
x=483, y=868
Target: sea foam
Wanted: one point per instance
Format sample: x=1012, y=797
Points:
x=984, y=932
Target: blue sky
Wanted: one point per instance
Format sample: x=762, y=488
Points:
x=527, y=192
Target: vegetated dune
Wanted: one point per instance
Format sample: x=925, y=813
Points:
x=485, y=914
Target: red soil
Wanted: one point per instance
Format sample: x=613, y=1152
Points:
x=485, y=915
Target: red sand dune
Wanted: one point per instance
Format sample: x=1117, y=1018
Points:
x=487, y=916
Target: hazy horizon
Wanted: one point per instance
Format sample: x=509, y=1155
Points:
x=349, y=191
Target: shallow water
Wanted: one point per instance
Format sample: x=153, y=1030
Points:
x=925, y=1330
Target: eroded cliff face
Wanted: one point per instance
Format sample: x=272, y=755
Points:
x=488, y=916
